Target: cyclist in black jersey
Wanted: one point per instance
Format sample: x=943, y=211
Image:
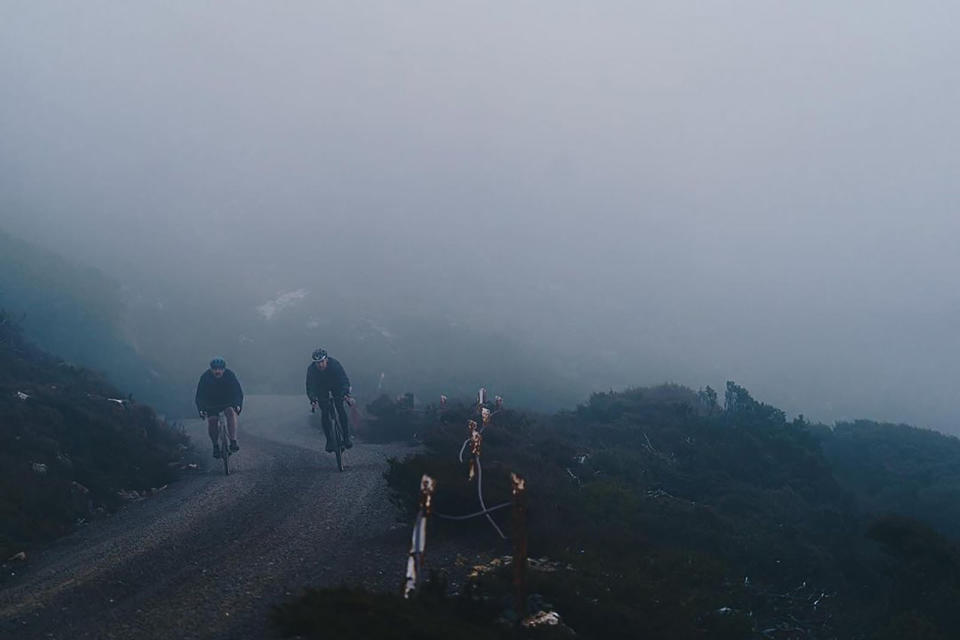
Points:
x=219, y=391
x=326, y=375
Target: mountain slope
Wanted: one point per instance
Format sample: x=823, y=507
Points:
x=78, y=313
x=71, y=445
x=678, y=516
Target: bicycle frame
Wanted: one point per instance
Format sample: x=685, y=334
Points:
x=336, y=428
x=337, y=431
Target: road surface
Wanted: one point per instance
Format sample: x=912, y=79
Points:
x=210, y=555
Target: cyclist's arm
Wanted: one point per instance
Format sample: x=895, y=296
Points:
x=199, y=398
x=312, y=394
x=343, y=380
x=237, y=393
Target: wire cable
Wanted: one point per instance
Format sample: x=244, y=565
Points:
x=473, y=515
x=480, y=494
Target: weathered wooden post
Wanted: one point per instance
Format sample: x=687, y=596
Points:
x=519, y=544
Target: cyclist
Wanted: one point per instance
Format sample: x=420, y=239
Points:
x=219, y=390
x=326, y=375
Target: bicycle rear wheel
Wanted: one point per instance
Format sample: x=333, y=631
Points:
x=224, y=446
x=337, y=440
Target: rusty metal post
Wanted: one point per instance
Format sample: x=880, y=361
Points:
x=476, y=445
x=519, y=544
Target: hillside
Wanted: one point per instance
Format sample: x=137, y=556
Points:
x=678, y=517
x=267, y=335
x=72, y=446
x=153, y=334
x=79, y=314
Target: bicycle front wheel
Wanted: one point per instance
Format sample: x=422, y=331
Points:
x=338, y=441
x=224, y=447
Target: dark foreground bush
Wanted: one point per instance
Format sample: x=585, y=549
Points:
x=683, y=519
x=353, y=613
x=390, y=420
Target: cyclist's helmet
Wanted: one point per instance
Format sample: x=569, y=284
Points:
x=319, y=354
x=218, y=363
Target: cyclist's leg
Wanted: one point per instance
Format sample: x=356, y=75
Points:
x=231, y=416
x=326, y=420
x=344, y=421
x=213, y=430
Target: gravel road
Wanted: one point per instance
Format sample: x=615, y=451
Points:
x=210, y=555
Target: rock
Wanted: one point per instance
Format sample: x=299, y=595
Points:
x=542, y=618
x=547, y=620
x=546, y=565
x=18, y=557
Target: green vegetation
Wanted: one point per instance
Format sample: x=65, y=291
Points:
x=676, y=517
x=71, y=445
x=348, y=613
x=899, y=469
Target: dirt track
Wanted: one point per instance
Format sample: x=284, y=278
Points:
x=209, y=556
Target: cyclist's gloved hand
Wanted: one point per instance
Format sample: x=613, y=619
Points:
x=203, y=414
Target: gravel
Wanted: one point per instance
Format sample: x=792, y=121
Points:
x=209, y=556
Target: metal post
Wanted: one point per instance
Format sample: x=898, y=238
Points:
x=476, y=443
x=418, y=542
x=519, y=544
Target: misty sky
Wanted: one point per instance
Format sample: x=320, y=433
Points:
x=687, y=191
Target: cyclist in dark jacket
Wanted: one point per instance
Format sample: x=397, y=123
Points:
x=326, y=375
x=219, y=391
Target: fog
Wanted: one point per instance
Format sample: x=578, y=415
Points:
x=635, y=192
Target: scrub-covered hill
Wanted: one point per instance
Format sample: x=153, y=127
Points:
x=663, y=514
x=71, y=444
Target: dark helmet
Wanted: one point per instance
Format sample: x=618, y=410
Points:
x=218, y=363
x=319, y=354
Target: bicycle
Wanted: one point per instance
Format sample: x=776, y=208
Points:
x=335, y=427
x=224, y=440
